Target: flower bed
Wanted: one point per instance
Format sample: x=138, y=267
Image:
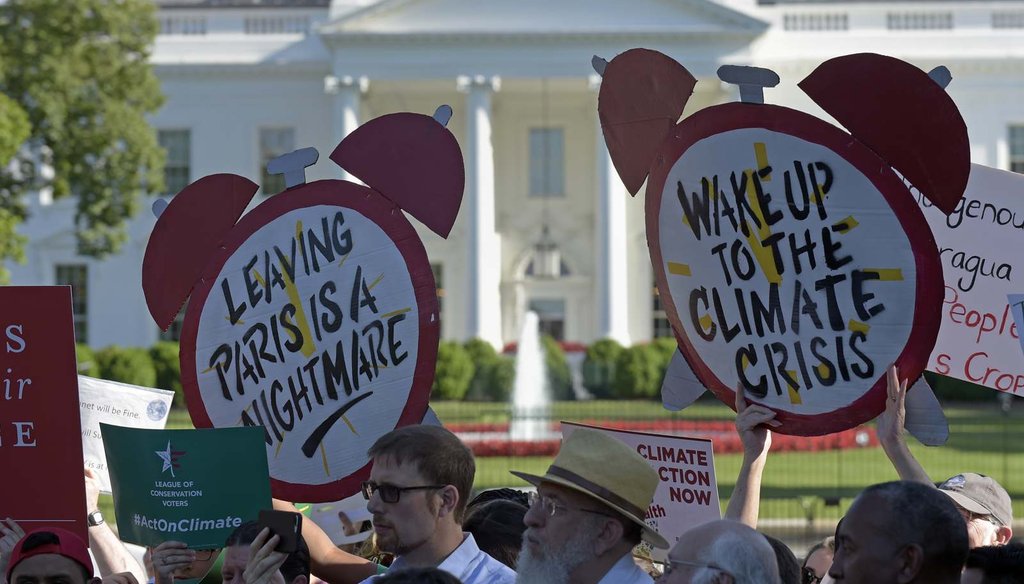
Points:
x=488, y=440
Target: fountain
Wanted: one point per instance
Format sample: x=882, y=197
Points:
x=531, y=402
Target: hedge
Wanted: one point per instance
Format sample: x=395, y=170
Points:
x=599, y=368
x=127, y=365
x=168, y=369
x=494, y=373
x=454, y=372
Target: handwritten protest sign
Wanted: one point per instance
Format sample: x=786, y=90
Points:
x=687, y=495
x=1017, y=308
x=980, y=246
x=194, y=486
x=40, y=442
x=343, y=520
x=791, y=266
x=318, y=323
x=119, y=404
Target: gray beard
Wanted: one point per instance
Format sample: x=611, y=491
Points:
x=555, y=566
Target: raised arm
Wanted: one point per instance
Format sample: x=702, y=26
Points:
x=111, y=555
x=890, y=427
x=326, y=561
x=752, y=423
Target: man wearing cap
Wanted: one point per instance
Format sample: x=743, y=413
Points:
x=983, y=502
x=49, y=555
x=588, y=514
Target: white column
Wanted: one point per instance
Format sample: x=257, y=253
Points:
x=483, y=268
x=611, y=244
x=347, y=92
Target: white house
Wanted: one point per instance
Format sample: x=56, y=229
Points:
x=545, y=225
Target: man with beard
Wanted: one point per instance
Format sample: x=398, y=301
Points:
x=587, y=514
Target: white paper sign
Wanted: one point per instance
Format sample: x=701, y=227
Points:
x=342, y=520
x=687, y=495
x=982, y=249
x=119, y=404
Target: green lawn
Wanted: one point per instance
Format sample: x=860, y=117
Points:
x=795, y=484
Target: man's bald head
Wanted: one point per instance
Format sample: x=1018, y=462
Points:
x=722, y=552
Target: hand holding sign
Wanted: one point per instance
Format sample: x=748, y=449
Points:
x=893, y=420
x=752, y=423
x=10, y=534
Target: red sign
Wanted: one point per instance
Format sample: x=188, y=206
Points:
x=40, y=431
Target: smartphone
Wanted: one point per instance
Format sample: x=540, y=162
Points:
x=284, y=524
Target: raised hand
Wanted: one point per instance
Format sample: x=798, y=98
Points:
x=752, y=422
x=263, y=562
x=10, y=534
x=169, y=557
x=892, y=421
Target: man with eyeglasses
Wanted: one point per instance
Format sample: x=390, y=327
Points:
x=588, y=514
x=983, y=503
x=419, y=486
x=721, y=552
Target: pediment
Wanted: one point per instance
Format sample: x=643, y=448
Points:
x=470, y=18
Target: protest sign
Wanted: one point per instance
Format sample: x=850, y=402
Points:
x=687, y=493
x=980, y=246
x=315, y=316
x=194, y=486
x=118, y=404
x=789, y=253
x=342, y=521
x=40, y=439
x=1017, y=308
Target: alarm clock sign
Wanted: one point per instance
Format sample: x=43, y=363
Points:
x=791, y=265
x=314, y=316
x=791, y=258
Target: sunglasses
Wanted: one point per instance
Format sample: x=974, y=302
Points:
x=391, y=493
x=809, y=577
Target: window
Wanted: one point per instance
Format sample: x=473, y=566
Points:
x=551, y=317
x=173, y=332
x=178, y=145
x=77, y=276
x=1017, y=148
x=661, y=328
x=438, y=270
x=547, y=162
x=273, y=143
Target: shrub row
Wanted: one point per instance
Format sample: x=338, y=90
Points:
x=157, y=366
x=612, y=371
x=474, y=371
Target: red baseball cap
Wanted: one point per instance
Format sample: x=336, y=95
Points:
x=68, y=545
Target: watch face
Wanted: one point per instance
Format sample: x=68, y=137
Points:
x=95, y=518
x=318, y=321
x=791, y=260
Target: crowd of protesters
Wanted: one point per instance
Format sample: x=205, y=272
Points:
x=580, y=523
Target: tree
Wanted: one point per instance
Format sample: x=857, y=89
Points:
x=14, y=130
x=80, y=72
x=453, y=373
x=599, y=367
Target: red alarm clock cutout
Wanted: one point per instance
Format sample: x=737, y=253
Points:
x=315, y=315
x=790, y=254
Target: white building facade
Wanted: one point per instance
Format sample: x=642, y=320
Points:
x=545, y=224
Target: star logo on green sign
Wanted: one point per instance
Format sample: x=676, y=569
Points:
x=170, y=458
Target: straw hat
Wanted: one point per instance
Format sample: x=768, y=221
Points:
x=596, y=465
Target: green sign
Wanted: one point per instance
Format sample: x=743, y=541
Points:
x=194, y=486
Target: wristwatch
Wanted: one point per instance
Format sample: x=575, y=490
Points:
x=95, y=518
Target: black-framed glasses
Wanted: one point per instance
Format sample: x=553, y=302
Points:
x=551, y=507
x=808, y=576
x=671, y=566
x=391, y=493
x=206, y=555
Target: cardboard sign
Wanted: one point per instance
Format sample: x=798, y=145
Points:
x=118, y=404
x=687, y=495
x=982, y=258
x=341, y=520
x=40, y=438
x=1017, y=308
x=194, y=486
x=788, y=264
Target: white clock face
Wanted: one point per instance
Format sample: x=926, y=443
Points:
x=797, y=281
x=311, y=329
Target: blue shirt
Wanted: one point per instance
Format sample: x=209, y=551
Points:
x=469, y=564
x=625, y=571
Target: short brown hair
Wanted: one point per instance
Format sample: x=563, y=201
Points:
x=438, y=455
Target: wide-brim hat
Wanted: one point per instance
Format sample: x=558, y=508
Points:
x=594, y=464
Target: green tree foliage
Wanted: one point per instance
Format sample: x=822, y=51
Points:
x=494, y=374
x=168, y=369
x=638, y=373
x=86, y=358
x=80, y=71
x=127, y=365
x=454, y=371
x=559, y=375
x=14, y=130
x=599, y=367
